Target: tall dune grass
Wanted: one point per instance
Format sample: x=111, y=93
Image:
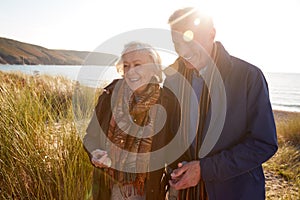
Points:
x=41, y=153
x=286, y=162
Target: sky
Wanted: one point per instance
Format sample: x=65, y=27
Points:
x=265, y=33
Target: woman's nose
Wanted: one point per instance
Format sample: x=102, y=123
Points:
x=131, y=70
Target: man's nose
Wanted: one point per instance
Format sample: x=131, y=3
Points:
x=181, y=50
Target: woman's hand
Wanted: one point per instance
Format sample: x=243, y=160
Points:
x=100, y=159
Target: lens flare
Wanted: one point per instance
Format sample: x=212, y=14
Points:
x=188, y=35
x=197, y=21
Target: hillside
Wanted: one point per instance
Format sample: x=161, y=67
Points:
x=15, y=52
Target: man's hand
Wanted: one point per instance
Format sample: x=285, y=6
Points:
x=186, y=175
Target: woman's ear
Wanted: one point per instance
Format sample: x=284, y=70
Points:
x=120, y=69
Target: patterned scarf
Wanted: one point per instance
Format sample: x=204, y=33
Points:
x=199, y=191
x=130, y=121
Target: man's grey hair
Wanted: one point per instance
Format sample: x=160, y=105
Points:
x=190, y=15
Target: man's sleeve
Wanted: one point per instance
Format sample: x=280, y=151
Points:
x=259, y=142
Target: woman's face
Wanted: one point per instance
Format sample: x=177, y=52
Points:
x=139, y=69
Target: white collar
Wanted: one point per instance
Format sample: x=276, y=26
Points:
x=200, y=72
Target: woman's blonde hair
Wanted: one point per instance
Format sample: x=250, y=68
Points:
x=140, y=46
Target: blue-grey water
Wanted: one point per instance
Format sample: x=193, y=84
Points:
x=284, y=90
x=284, y=87
x=93, y=76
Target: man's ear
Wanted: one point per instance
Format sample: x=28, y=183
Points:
x=213, y=33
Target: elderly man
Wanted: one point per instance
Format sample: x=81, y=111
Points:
x=230, y=130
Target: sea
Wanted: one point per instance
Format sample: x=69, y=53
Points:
x=284, y=88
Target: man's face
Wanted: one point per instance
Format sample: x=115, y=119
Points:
x=192, y=43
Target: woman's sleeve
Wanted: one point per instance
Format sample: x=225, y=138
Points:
x=95, y=137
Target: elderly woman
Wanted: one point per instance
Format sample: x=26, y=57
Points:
x=123, y=127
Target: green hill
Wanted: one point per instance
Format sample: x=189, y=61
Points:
x=15, y=52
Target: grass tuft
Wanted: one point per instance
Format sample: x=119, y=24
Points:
x=285, y=164
x=41, y=152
